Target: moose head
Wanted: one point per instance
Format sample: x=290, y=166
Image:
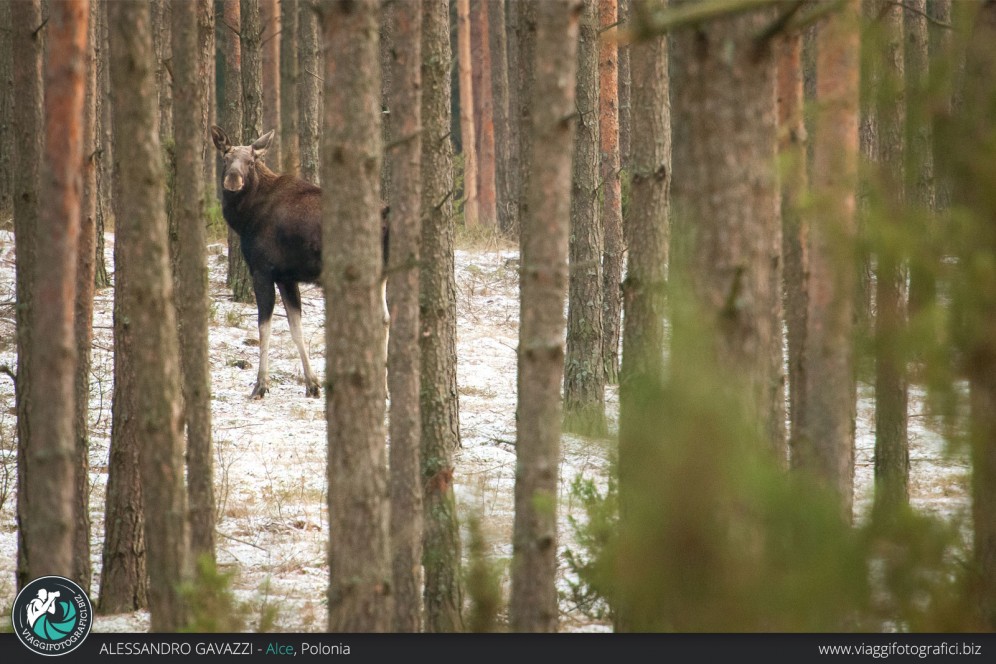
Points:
x=240, y=160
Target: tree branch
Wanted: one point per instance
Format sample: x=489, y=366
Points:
x=914, y=10
x=651, y=25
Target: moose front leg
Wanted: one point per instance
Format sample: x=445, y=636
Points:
x=291, y=295
x=265, y=299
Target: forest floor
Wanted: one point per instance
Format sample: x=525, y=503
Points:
x=270, y=455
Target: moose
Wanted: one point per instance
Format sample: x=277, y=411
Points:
x=278, y=219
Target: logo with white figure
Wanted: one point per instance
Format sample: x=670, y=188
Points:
x=52, y=615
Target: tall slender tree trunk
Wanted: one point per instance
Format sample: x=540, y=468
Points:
x=471, y=212
x=625, y=103
x=51, y=454
x=795, y=226
x=207, y=67
x=525, y=64
x=7, y=114
x=871, y=74
x=162, y=11
x=825, y=447
x=725, y=99
x=147, y=302
x=192, y=282
x=310, y=97
x=584, y=376
x=26, y=20
x=85, y=284
x=250, y=38
x=647, y=229
x=891, y=388
x=514, y=25
x=237, y=277
x=438, y=398
x=484, y=121
x=289, y=82
x=613, y=245
x=269, y=14
x=359, y=562
x=543, y=287
x=405, y=199
x=498, y=41
x=105, y=209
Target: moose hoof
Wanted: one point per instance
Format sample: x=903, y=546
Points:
x=313, y=391
x=259, y=391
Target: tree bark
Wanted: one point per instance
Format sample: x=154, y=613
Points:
x=26, y=21
x=795, y=225
x=105, y=210
x=207, y=66
x=484, y=121
x=270, y=57
x=438, y=398
x=613, y=245
x=471, y=212
x=289, y=82
x=146, y=292
x=525, y=63
x=310, y=98
x=192, y=278
x=6, y=115
x=543, y=287
x=891, y=388
x=360, y=568
x=162, y=11
x=251, y=71
x=584, y=376
x=725, y=98
x=825, y=447
x=625, y=102
x=504, y=194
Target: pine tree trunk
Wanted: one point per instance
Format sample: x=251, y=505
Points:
x=484, y=121
x=192, y=282
x=871, y=67
x=825, y=447
x=207, y=66
x=613, y=245
x=729, y=202
x=6, y=115
x=526, y=76
x=438, y=399
x=471, y=210
x=85, y=279
x=513, y=27
x=105, y=209
x=942, y=69
x=251, y=71
x=504, y=194
x=51, y=476
x=269, y=14
x=289, y=82
x=543, y=287
x=584, y=377
x=795, y=226
x=359, y=562
x=403, y=294
x=146, y=291
x=647, y=229
x=162, y=11
x=310, y=97
x=28, y=120
x=891, y=389
x=625, y=102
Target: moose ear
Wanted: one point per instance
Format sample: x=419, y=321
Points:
x=262, y=143
x=220, y=138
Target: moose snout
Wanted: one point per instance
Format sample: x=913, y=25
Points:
x=233, y=182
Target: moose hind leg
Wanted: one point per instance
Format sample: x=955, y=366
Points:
x=291, y=295
x=265, y=299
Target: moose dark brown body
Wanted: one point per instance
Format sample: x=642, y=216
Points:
x=279, y=221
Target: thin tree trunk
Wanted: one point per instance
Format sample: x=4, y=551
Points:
x=498, y=40
x=147, y=302
x=359, y=558
x=270, y=56
x=584, y=376
x=26, y=20
x=891, y=389
x=795, y=226
x=543, y=287
x=105, y=209
x=471, y=212
x=438, y=398
x=231, y=120
x=6, y=114
x=613, y=245
x=192, y=281
x=310, y=97
x=289, y=82
x=526, y=75
x=647, y=228
x=250, y=37
x=871, y=71
x=85, y=277
x=403, y=294
x=514, y=24
x=51, y=477
x=825, y=447
x=162, y=10
x=625, y=103
x=942, y=70
x=484, y=121
x=207, y=66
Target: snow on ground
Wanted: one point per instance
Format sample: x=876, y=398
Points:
x=271, y=454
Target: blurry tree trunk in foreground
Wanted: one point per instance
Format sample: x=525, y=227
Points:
x=825, y=446
x=584, y=375
x=543, y=287
x=146, y=291
x=162, y=11
x=439, y=401
x=359, y=591
x=471, y=216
